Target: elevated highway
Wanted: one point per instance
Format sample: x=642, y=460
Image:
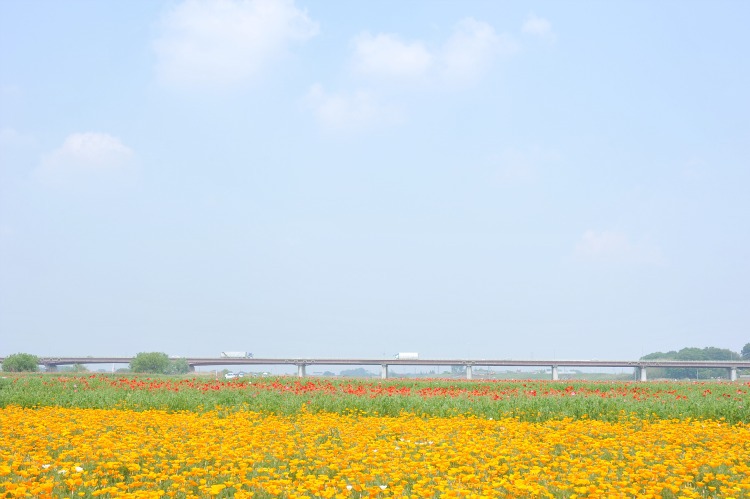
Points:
x=639, y=366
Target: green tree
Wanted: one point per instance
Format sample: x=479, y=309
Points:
x=75, y=368
x=708, y=353
x=179, y=366
x=458, y=370
x=746, y=351
x=360, y=372
x=150, y=362
x=21, y=362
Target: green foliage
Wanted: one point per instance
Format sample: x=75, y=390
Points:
x=75, y=368
x=21, y=362
x=150, y=362
x=528, y=400
x=746, y=351
x=360, y=372
x=178, y=366
x=158, y=363
x=708, y=353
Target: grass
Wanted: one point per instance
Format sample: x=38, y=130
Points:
x=529, y=400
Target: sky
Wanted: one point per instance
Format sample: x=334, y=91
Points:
x=473, y=179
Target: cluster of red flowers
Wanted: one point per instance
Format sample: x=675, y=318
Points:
x=494, y=389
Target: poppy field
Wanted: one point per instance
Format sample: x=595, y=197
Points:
x=116, y=436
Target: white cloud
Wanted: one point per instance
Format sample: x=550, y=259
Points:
x=615, y=246
x=385, y=55
x=225, y=42
x=349, y=111
x=464, y=55
x=472, y=47
x=538, y=26
x=85, y=153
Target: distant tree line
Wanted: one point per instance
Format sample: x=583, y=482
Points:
x=144, y=362
x=360, y=372
x=708, y=353
x=160, y=363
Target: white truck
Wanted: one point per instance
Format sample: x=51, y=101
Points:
x=407, y=356
x=236, y=355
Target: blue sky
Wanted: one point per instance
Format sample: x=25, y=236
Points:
x=459, y=179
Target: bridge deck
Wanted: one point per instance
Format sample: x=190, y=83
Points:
x=211, y=361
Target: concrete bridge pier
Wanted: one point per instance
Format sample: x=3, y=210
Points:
x=384, y=371
x=468, y=371
x=555, y=374
x=640, y=374
x=301, y=370
x=51, y=368
x=732, y=374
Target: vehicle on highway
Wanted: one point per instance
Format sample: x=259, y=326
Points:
x=407, y=356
